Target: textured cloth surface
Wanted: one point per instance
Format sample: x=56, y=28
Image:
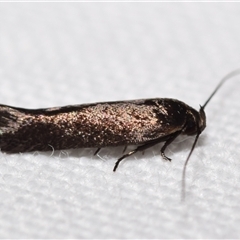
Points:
x=55, y=54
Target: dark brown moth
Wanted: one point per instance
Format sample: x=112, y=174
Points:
x=144, y=123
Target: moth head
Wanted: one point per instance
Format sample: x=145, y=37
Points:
x=196, y=121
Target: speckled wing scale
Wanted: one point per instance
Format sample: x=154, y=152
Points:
x=138, y=122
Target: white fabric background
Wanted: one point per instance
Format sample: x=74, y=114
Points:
x=54, y=54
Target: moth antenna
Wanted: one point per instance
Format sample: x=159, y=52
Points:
x=185, y=167
x=230, y=75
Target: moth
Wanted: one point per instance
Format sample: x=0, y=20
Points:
x=144, y=123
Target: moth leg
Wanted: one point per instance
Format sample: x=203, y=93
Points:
x=124, y=149
x=138, y=149
x=168, y=142
x=97, y=151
